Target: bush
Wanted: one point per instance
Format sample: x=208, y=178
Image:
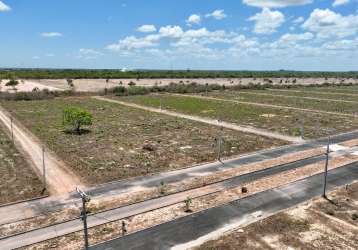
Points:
x=137, y=90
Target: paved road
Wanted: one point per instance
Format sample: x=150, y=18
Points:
x=33, y=208
x=145, y=206
x=214, y=122
x=179, y=233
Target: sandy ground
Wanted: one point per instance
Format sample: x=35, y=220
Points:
x=27, y=86
x=59, y=179
x=251, y=130
x=94, y=85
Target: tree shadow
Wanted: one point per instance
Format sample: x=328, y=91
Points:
x=82, y=131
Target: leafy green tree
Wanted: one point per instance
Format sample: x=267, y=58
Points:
x=76, y=118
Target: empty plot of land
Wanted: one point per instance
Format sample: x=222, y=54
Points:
x=17, y=180
x=284, y=121
x=264, y=97
x=125, y=142
x=320, y=224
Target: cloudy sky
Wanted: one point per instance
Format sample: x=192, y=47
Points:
x=180, y=34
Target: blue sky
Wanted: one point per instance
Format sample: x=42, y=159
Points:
x=169, y=34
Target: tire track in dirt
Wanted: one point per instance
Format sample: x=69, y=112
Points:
x=315, y=92
x=246, y=129
x=60, y=180
x=299, y=97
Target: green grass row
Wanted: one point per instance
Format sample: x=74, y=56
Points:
x=283, y=120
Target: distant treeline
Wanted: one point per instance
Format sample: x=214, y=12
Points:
x=111, y=74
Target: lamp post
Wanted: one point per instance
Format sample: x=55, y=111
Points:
x=326, y=169
x=85, y=199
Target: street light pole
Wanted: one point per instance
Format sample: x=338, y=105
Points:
x=326, y=169
x=85, y=198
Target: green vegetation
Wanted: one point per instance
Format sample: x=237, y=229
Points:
x=283, y=120
x=110, y=74
x=126, y=142
x=17, y=180
x=287, y=100
x=77, y=118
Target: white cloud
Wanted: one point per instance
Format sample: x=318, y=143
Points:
x=50, y=55
x=340, y=2
x=4, y=7
x=275, y=3
x=296, y=37
x=267, y=21
x=51, y=34
x=35, y=57
x=217, y=14
x=342, y=45
x=89, y=53
x=300, y=19
x=147, y=28
x=327, y=23
x=193, y=19
x=132, y=42
x=171, y=31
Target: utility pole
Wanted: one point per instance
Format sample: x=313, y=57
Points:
x=85, y=199
x=326, y=169
x=44, y=168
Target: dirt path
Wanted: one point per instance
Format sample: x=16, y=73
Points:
x=268, y=105
x=246, y=129
x=300, y=97
x=60, y=180
x=316, y=92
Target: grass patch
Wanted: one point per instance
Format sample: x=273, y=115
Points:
x=17, y=179
x=296, y=102
x=284, y=121
x=125, y=142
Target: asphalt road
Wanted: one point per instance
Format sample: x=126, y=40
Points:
x=192, y=227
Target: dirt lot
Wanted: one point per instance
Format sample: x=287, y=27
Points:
x=319, y=224
x=94, y=85
x=126, y=142
x=17, y=180
x=284, y=121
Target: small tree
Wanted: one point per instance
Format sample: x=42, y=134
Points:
x=188, y=202
x=76, y=117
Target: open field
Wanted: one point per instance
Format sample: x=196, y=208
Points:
x=283, y=120
x=17, y=180
x=95, y=85
x=266, y=97
x=125, y=142
x=318, y=224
